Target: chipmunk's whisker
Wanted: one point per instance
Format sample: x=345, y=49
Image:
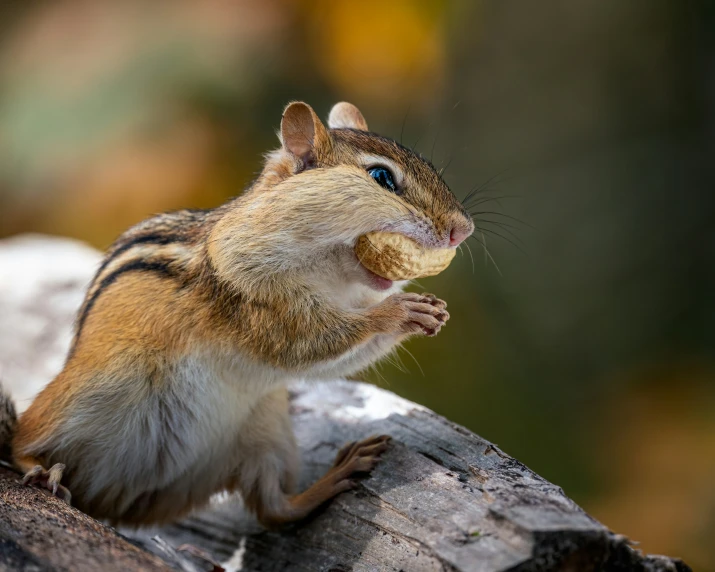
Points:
x=499, y=223
x=470, y=255
x=495, y=213
x=481, y=187
x=443, y=169
x=498, y=235
x=490, y=199
x=507, y=231
x=483, y=243
x=409, y=353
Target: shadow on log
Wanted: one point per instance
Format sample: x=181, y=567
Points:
x=441, y=499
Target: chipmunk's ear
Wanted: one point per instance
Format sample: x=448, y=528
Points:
x=345, y=114
x=303, y=134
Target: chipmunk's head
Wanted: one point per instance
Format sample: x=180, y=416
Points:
x=325, y=187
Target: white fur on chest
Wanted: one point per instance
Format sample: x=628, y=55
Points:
x=355, y=296
x=223, y=390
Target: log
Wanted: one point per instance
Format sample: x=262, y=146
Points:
x=443, y=498
x=40, y=532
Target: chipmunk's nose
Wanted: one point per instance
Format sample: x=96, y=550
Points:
x=460, y=232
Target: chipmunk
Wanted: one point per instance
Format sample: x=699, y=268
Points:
x=175, y=384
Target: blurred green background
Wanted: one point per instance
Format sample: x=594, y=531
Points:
x=589, y=355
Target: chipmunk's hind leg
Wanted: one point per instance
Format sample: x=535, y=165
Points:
x=351, y=460
x=49, y=480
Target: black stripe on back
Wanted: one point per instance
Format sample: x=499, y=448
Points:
x=158, y=266
x=159, y=239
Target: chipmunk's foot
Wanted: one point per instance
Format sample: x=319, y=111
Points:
x=357, y=457
x=354, y=458
x=49, y=480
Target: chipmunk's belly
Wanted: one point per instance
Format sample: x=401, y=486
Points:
x=174, y=450
x=365, y=354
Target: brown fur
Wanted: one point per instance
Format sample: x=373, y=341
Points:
x=175, y=384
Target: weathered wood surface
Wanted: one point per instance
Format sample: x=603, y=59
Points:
x=39, y=532
x=442, y=499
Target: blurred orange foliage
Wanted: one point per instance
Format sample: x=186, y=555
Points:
x=387, y=53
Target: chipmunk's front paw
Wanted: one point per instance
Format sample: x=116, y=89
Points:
x=49, y=480
x=415, y=313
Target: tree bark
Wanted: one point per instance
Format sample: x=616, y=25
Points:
x=443, y=498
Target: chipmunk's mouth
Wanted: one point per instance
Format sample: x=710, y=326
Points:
x=375, y=281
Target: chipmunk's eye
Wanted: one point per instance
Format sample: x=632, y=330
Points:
x=384, y=178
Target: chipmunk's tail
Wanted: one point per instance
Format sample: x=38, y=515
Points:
x=8, y=421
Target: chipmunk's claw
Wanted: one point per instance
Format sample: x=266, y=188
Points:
x=49, y=480
x=361, y=456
